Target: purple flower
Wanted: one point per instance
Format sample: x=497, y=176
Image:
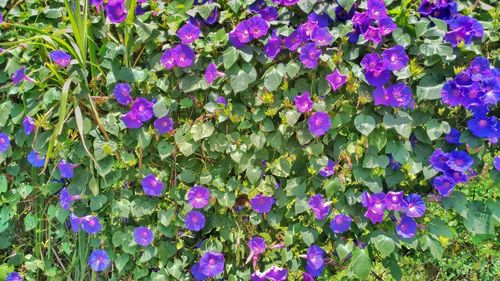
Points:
x=75, y=222
x=286, y=2
x=4, y=142
x=463, y=29
x=315, y=260
x=198, y=196
x=319, y=206
x=36, y=159
x=376, y=9
x=483, y=126
x=443, y=185
x=257, y=27
x=97, y=4
x=152, y=186
x=340, y=223
x=19, y=76
x=309, y=55
x=273, y=47
x=212, y=264
x=336, y=79
x=257, y=246
x=395, y=58
x=453, y=137
x=439, y=160
x=459, y=161
x=321, y=36
x=28, y=124
x=295, y=40
x=373, y=34
x=66, y=169
x=116, y=11
x=303, y=102
x=240, y=35
x=167, y=59
x=443, y=9
x=413, y=206
x=275, y=273
x=143, y=109
x=261, y=203
x=143, y=236
x=188, y=33
x=221, y=100
x=394, y=200
x=269, y=13
x=211, y=73
x=183, y=55
x=306, y=276
x=451, y=94
x=319, y=123
x=98, y=260
x=65, y=198
x=164, y=125
x=407, y=227
x=375, y=204
x=61, y=58
x=122, y=93
x=479, y=68
x=376, y=72
x=194, y=220
x=258, y=276
x=329, y=169
x=399, y=95
x=457, y=177
x=13, y=276
x=386, y=26
x=131, y=120
x=91, y=224
x=395, y=165
x=496, y=163
x=197, y=273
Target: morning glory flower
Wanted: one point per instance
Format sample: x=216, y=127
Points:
x=4, y=142
x=286, y=2
x=28, y=125
x=319, y=206
x=164, y=125
x=457, y=177
x=98, y=260
x=131, y=120
x=275, y=273
x=122, y=93
x=197, y=273
x=36, y=159
x=194, y=220
x=269, y=13
x=376, y=72
x=340, y=223
x=394, y=200
x=211, y=73
x=444, y=9
x=414, y=206
x=198, y=196
x=14, y=276
x=97, y=4
x=336, y=79
x=373, y=34
x=91, y=224
x=443, y=185
x=329, y=169
x=309, y=55
x=257, y=246
x=395, y=165
x=66, y=169
x=407, y=227
x=463, y=29
x=116, y=11
x=257, y=27
x=167, y=59
x=66, y=198
x=483, y=126
x=439, y=160
x=293, y=41
x=315, y=260
x=143, y=236
x=375, y=204
x=258, y=276
x=183, y=55
x=75, y=222
x=20, y=75
x=400, y=95
x=479, y=68
x=319, y=123
x=395, y=58
x=188, y=33
x=261, y=203
x=212, y=263
x=303, y=102
x=61, y=58
x=152, y=186
x=459, y=161
x=376, y=9
x=221, y=100
x=143, y=109
x=321, y=36
x=386, y=26
x=453, y=137
x=273, y=46
x=496, y=163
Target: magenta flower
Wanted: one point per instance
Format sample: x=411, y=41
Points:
x=329, y=169
x=194, y=221
x=275, y=273
x=143, y=236
x=340, y=223
x=143, y=109
x=212, y=264
x=152, y=186
x=414, y=206
x=257, y=245
x=122, y=93
x=28, y=125
x=116, y=11
x=319, y=206
x=394, y=200
x=4, y=142
x=13, y=276
x=164, y=125
x=303, y=102
x=198, y=196
x=61, y=58
x=373, y=34
x=131, y=120
x=261, y=203
x=315, y=260
x=407, y=227
x=376, y=9
x=66, y=169
x=336, y=79
x=66, y=199
x=211, y=73
x=386, y=26
x=319, y=123
x=395, y=58
x=98, y=260
x=257, y=27
x=188, y=33
x=91, y=224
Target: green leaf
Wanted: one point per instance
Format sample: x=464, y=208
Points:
x=160, y=108
x=230, y=56
x=202, y=130
x=132, y=75
x=30, y=221
x=385, y=245
x=253, y=174
x=307, y=5
x=365, y=124
x=360, y=264
x=401, y=38
x=258, y=140
x=479, y=219
x=242, y=78
x=401, y=122
x=436, y=129
x=165, y=149
x=272, y=79
x=433, y=245
x=439, y=228
x=3, y=184
x=97, y=202
x=121, y=261
x=346, y=4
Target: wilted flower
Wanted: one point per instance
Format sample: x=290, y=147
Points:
x=336, y=79
x=319, y=123
x=116, y=11
x=66, y=198
x=91, y=224
x=188, y=33
x=221, y=100
x=340, y=223
x=122, y=93
x=143, y=236
x=211, y=73
x=198, y=196
x=36, y=159
x=303, y=102
x=319, y=206
x=152, y=186
x=98, y=260
x=212, y=264
x=4, y=142
x=261, y=203
x=164, y=125
x=414, y=206
x=407, y=227
x=257, y=246
x=194, y=220
x=61, y=58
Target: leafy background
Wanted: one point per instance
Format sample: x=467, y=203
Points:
x=223, y=148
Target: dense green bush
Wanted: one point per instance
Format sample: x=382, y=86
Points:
x=315, y=139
